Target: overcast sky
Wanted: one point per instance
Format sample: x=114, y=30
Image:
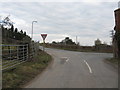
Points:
x=86, y=20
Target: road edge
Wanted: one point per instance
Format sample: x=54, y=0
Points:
x=112, y=64
x=33, y=79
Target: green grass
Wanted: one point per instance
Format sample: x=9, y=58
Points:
x=81, y=50
x=24, y=72
x=114, y=60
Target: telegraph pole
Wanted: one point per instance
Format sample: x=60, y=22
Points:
x=76, y=40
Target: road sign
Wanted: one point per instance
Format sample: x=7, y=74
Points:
x=44, y=36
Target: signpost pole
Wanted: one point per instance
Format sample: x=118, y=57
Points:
x=44, y=36
x=43, y=45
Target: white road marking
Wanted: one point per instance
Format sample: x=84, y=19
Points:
x=88, y=66
x=67, y=60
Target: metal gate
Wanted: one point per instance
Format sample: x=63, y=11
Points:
x=13, y=55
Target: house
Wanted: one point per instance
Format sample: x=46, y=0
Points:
x=116, y=40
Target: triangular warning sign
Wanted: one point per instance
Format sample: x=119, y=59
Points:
x=44, y=36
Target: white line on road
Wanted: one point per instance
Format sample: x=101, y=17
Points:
x=88, y=66
x=67, y=60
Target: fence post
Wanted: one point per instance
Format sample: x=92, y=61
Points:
x=23, y=53
x=1, y=56
x=9, y=52
x=27, y=52
x=17, y=52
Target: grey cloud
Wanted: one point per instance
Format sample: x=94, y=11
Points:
x=81, y=19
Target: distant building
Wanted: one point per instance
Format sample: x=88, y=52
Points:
x=116, y=47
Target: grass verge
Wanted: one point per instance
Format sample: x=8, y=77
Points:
x=82, y=50
x=23, y=73
x=114, y=61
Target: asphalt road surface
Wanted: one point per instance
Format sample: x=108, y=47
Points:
x=72, y=69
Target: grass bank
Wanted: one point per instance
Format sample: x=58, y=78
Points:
x=23, y=73
x=113, y=60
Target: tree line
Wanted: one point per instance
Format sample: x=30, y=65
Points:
x=66, y=41
x=13, y=33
